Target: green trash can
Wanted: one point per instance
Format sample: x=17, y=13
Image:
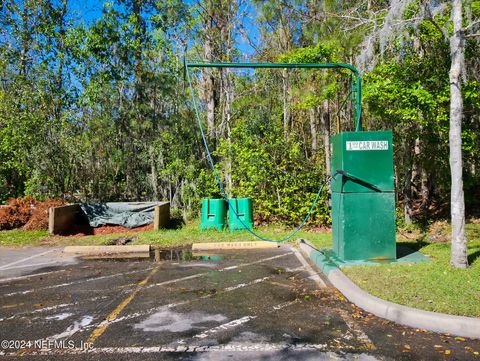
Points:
x=214, y=214
x=244, y=212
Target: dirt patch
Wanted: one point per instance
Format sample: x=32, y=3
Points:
x=439, y=232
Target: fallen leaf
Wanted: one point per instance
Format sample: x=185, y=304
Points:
x=459, y=338
x=438, y=346
x=407, y=347
x=448, y=352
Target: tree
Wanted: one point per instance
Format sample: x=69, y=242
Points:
x=459, y=257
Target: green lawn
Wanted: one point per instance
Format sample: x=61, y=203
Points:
x=432, y=286
x=189, y=233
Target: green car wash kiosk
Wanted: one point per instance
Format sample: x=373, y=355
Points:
x=363, y=196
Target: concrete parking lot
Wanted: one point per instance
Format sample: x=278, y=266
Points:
x=267, y=305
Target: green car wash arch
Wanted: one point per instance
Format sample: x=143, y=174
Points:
x=362, y=183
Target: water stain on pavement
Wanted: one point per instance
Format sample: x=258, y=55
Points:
x=167, y=320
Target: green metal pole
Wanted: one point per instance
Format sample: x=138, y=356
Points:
x=357, y=103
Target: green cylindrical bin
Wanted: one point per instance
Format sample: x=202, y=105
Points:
x=214, y=214
x=244, y=211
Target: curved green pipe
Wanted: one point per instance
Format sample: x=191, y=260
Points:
x=357, y=83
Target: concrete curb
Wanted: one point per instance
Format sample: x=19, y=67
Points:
x=127, y=251
x=233, y=245
x=412, y=317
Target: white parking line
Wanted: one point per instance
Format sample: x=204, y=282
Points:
x=220, y=270
x=234, y=347
x=356, y=330
x=181, y=303
x=240, y=321
x=313, y=275
x=3, y=280
x=4, y=267
x=74, y=282
x=51, y=308
x=34, y=265
x=225, y=326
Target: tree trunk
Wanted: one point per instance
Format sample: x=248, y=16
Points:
x=407, y=186
x=209, y=83
x=425, y=189
x=286, y=110
x=153, y=173
x=457, y=53
x=326, y=135
x=313, y=130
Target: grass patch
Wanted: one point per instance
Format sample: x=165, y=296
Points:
x=19, y=237
x=189, y=233
x=433, y=286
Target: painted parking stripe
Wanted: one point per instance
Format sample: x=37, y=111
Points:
x=219, y=270
x=152, y=285
x=51, y=308
x=26, y=259
x=3, y=280
x=313, y=275
x=116, y=312
x=356, y=330
x=35, y=265
x=75, y=282
x=176, y=304
x=240, y=321
x=225, y=327
x=111, y=320
x=181, y=303
x=234, y=347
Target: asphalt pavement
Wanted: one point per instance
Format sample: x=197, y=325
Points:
x=236, y=305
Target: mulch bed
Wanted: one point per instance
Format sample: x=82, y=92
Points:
x=39, y=218
x=86, y=230
x=26, y=213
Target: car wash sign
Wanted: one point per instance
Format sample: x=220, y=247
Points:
x=367, y=145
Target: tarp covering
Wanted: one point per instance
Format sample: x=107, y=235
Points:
x=130, y=215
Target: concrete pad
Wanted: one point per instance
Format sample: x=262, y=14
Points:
x=234, y=245
x=127, y=251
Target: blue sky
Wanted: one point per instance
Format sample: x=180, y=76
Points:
x=88, y=11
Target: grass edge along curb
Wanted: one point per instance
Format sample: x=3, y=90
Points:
x=407, y=316
x=233, y=245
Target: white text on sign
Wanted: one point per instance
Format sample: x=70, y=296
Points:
x=367, y=145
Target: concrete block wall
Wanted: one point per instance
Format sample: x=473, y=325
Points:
x=61, y=219
x=161, y=216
